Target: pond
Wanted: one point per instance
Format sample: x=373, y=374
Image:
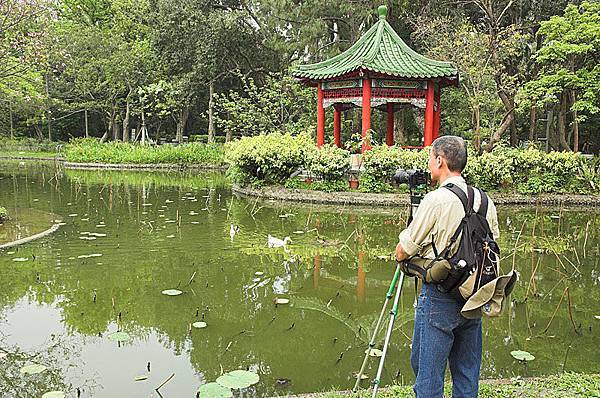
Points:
x=130, y=235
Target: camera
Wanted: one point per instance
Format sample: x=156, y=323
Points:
x=414, y=178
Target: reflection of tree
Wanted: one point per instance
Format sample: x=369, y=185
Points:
x=362, y=326
x=14, y=384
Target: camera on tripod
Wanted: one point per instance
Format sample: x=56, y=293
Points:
x=414, y=178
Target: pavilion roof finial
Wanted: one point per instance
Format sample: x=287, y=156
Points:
x=382, y=11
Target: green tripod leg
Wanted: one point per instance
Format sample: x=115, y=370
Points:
x=388, y=296
x=388, y=335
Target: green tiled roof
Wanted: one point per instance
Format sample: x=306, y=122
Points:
x=381, y=50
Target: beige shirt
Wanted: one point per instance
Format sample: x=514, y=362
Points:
x=438, y=217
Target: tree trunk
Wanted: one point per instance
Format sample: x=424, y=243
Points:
x=575, y=125
x=38, y=132
x=509, y=105
x=477, y=127
x=550, y=128
x=48, y=112
x=126, y=121
x=400, y=127
x=87, y=131
x=183, y=116
x=114, y=125
x=211, y=104
x=514, y=136
x=497, y=135
x=532, y=123
x=562, y=124
x=10, y=115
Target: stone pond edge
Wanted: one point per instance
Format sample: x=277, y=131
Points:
x=389, y=200
x=31, y=238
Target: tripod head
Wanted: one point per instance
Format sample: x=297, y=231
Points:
x=418, y=185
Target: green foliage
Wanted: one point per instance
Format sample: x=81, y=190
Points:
x=273, y=158
x=280, y=104
x=3, y=214
x=381, y=162
x=532, y=171
x=91, y=150
x=270, y=158
x=29, y=144
x=568, y=59
x=329, y=162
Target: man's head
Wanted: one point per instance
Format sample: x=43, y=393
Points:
x=447, y=157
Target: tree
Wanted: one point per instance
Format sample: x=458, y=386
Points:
x=569, y=76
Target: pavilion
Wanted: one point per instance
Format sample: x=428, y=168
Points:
x=378, y=71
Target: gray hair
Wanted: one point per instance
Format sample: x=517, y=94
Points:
x=453, y=149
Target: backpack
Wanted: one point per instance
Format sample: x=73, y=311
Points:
x=476, y=261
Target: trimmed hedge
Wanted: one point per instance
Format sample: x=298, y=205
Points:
x=272, y=159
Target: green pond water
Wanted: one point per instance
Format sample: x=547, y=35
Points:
x=127, y=236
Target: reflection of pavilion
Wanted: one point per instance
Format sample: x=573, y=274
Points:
x=378, y=71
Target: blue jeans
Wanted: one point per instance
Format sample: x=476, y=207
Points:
x=443, y=335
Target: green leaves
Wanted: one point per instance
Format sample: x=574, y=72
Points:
x=120, y=337
x=522, y=356
x=33, y=368
x=238, y=379
x=214, y=390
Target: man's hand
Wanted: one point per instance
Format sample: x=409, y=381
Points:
x=400, y=253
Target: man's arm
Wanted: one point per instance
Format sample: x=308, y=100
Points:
x=415, y=236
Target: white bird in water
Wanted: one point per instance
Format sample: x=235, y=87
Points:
x=275, y=242
x=233, y=229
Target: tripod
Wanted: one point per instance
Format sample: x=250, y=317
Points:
x=397, y=283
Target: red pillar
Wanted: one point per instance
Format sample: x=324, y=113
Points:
x=389, y=136
x=320, y=117
x=337, y=127
x=437, y=114
x=366, y=112
x=429, y=98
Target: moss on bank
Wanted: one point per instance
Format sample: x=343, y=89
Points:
x=566, y=385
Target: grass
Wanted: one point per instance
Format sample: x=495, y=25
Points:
x=567, y=385
x=92, y=151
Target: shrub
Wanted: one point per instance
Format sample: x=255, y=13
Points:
x=381, y=162
x=269, y=158
x=91, y=150
x=329, y=162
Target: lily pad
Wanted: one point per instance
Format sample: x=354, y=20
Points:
x=597, y=316
x=33, y=368
x=522, y=355
x=54, y=394
x=238, y=379
x=199, y=325
x=172, y=292
x=141, y=378
x=374, y=352
x=280, y=300
x=214, y=390
x=119, y=336
x=20, y=259
x=259, y=273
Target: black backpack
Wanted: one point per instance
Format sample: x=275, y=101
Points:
x=475, y=262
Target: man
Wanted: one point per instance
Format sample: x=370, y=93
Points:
x=441, y=333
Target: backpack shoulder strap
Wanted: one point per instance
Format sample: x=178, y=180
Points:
x=461, y=195
x=466, y=200
x=483, y=207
